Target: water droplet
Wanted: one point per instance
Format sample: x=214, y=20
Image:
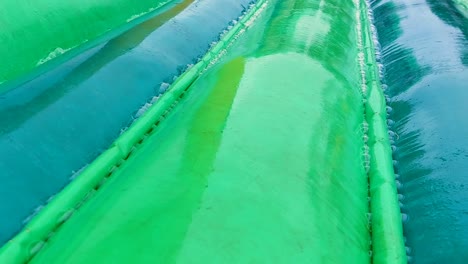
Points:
x=408, y=250
x=389, y=109
x=398, y=184
x=404, y=217
x=387, y=99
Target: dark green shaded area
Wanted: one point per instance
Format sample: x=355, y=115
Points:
x=448, y=12
x=402, y=68
x=424, y=47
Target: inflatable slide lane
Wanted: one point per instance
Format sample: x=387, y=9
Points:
x=234, y=131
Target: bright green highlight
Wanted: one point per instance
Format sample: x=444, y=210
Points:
x=387, y=230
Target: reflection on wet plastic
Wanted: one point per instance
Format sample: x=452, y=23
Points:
x=424, y=51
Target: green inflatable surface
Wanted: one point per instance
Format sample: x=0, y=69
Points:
x=273, y=147
x=265, y=157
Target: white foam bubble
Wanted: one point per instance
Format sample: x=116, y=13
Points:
x=54, y=54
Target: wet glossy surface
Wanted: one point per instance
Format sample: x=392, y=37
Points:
x=425, y=52
x=55, y=125
x=261, y=162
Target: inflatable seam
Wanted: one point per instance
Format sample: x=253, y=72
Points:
x=385, y=216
